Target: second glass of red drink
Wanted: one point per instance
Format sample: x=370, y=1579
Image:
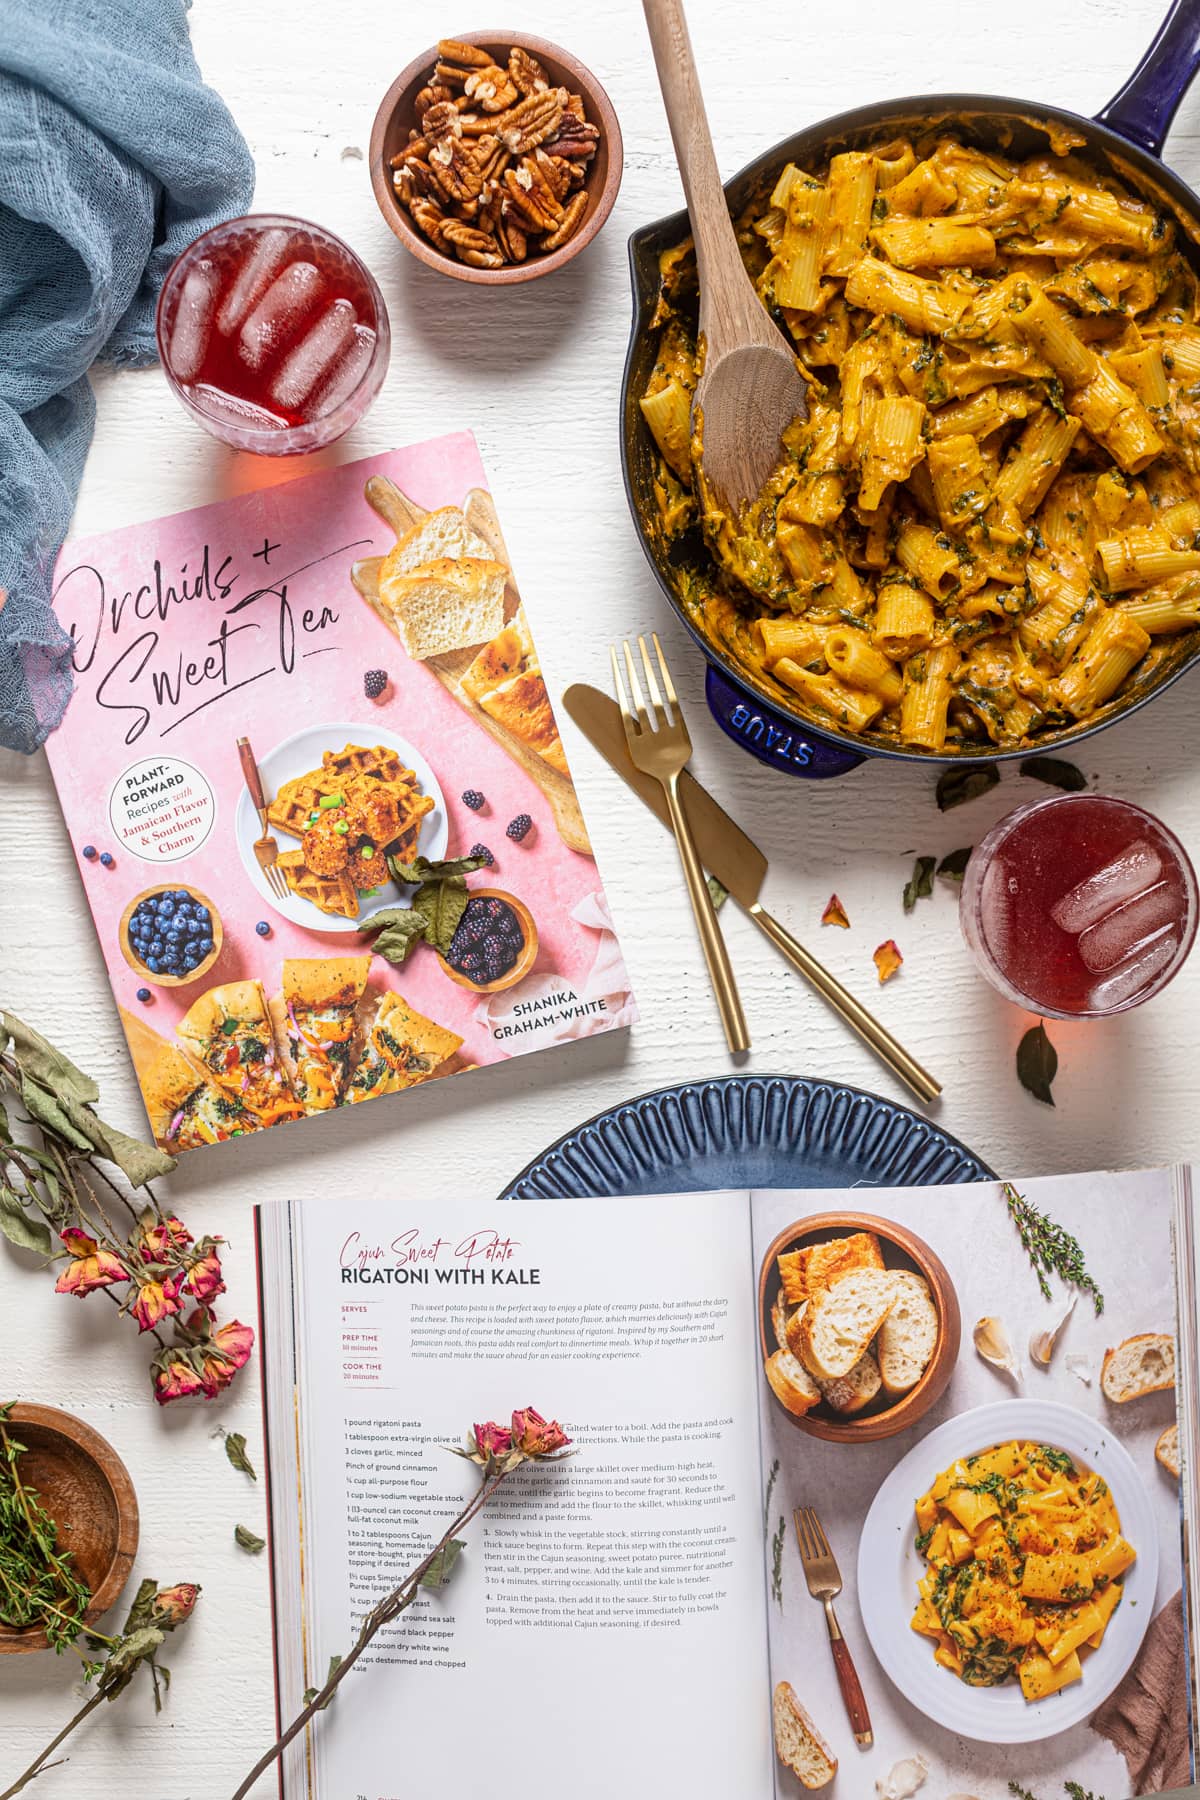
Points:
x=273, y=334
x=1079, y=906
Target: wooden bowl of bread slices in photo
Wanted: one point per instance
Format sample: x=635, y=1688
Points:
x=859, y=1326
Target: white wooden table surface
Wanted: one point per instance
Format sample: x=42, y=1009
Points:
x=536, y=372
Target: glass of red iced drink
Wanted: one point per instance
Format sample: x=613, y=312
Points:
x=1079, y=906
x=273, y=334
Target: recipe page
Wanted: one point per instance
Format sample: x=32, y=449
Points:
x=976, y=1739
x=603, y=1604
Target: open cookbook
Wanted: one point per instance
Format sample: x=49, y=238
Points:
x=296, y=712
x=1001, y=1466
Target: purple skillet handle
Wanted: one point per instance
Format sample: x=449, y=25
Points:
x=773, y=738
x=1145, y=106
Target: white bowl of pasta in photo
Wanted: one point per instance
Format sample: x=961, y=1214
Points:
x=1050, y=1495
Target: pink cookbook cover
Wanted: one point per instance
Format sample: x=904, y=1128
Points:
x=251, y=997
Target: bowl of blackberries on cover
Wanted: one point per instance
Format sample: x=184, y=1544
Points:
x=170, y=935
x=495, y=944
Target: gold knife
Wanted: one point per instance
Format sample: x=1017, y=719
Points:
x=739, y=865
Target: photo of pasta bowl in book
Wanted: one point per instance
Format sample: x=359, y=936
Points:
x=859, y=1326
x=340, y=798
x=1053, y=1591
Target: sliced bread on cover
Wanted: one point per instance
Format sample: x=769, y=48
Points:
x=850, y=1393
x=908, y=1336
x=791, y=1383
x=443, y=532
x=798, y=1744
x=1144, y=1364
x=841, y=1320
x=805, y=1272
x=1167, y=1450
x=447, y=603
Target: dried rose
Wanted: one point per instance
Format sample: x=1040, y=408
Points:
x=835, y=913
x=537, y=1436
x=203, y=1280
x=90, y=1267
x=157, y=1300
x=174, y=1377
x=157, y=1238
x=227, y=1351
x=492, y=1439
x=887, y=960
x=172, y=1605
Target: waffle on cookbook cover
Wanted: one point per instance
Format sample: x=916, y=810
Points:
x=319, y=801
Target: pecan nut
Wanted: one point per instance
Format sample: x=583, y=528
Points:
x=531, y=121
x=490, y=89
x=526, y=72
x=568, y=225
x=453, y=50
x=453, y=167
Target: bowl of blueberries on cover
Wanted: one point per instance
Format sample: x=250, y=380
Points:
x=170, y=935
x=495, y=945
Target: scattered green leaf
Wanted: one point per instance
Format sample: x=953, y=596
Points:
x=20, y=1229
x=954, y=866
x=443, y=903
x=1056, y=773
x=442, y=1565
x=920, y=884
x=959, y=785
x=718, y=892
x=246, y=1538
x=235, y=1450
x=1037, y=1063
x=399, y=929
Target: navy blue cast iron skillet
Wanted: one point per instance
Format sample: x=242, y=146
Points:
x=1126, y=137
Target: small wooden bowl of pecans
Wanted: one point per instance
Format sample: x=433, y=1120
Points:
x=495, y=158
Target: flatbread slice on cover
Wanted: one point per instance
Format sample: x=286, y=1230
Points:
x=400, y=1049
x=522, y=705
x=185, y=1108
x=228, y=1029
x=315, y=1018
x=510, y=652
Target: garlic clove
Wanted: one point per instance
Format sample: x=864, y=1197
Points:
x=993, y=1344
x=1041, y=1343
x=903, y=1779
x=1079, y=1366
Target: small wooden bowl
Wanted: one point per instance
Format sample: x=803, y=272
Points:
x=902, y=1249
x=397, y=114
x=134, y=960
x=524, y=962
x=85, y=1487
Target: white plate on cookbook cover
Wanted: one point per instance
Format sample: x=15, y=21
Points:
x=301, y=752
x=889, y=1568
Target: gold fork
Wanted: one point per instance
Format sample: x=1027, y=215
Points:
x=661, y=749
x=266, y=850
x=825, y=1584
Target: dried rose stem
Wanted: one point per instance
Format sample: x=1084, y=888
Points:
x=38, y=1765
x=389, y=1608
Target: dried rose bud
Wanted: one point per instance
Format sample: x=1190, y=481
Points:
x=156, y=1238
x=537, y=1436
x=203, y=1280
x=90, y=1267
x=493, y=1439
x=174, y=1378
x=157, y=1300
x=227, y=1351
x=172, y=1605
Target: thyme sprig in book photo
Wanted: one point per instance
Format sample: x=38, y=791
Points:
x=893, y=1487
x=321, y=807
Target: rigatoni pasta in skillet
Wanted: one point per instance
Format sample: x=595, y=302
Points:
x=1025, y=1557
x=991, y=516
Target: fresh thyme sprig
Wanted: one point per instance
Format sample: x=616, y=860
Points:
x=39, y=1585
x=1050, y=1248
x=777, y=1563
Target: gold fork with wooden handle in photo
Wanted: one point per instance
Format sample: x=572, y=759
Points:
x=739, y=865
x=660, y=746
x=825, y=1584
x=266, y=850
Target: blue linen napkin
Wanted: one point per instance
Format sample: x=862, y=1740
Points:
x=113, y=157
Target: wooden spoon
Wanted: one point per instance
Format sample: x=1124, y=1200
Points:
x=750, y=389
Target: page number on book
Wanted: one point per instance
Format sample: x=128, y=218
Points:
x=161, y=809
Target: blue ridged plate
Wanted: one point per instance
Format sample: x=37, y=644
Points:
x=742, y=1131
